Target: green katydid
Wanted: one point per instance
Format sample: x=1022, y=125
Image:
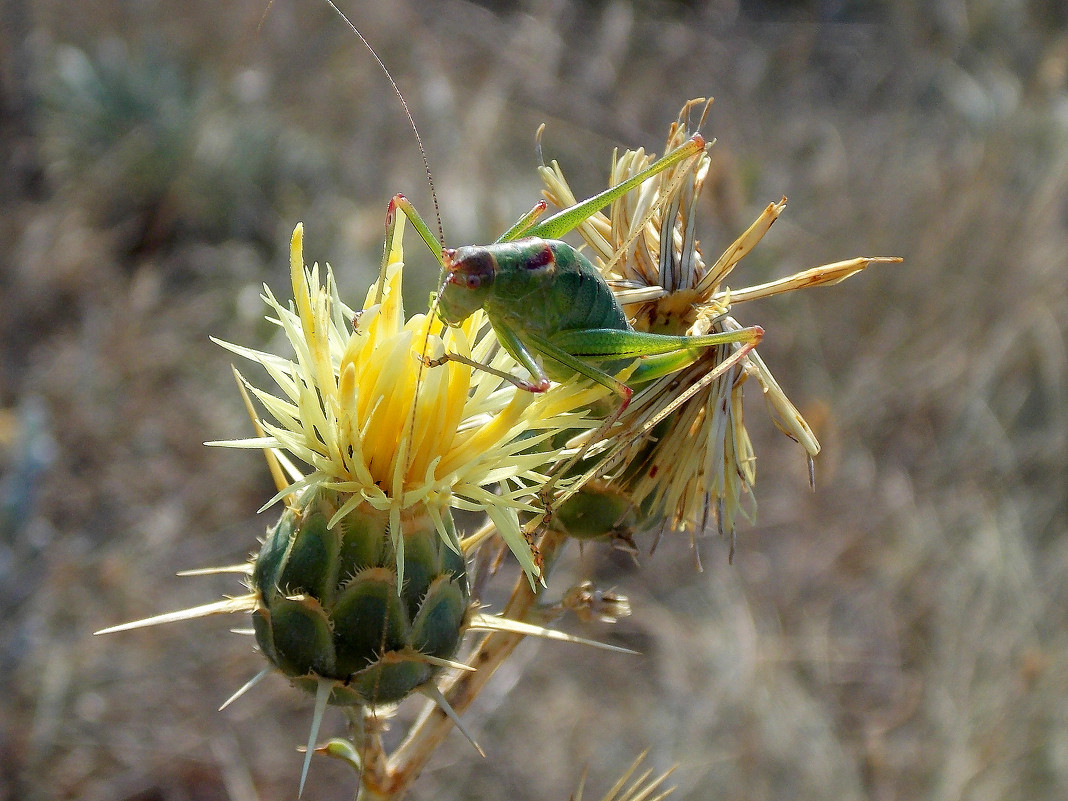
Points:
x=553, y=311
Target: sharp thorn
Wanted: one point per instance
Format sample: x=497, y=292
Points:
x=322, y=696
x=434, y=694
x=248, y=685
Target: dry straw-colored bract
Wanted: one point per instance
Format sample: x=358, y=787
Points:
x=691, y=461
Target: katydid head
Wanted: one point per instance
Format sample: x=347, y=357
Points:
x=469, y=274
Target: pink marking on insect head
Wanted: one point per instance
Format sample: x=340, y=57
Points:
x=469, y=267
x=453, y=274
x=543, y=257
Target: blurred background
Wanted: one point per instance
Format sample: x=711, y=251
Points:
x=898, y=634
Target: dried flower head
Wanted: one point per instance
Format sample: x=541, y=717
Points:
x=688, y=454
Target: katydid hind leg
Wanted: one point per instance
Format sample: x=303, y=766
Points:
x=620, y=449
x=659, y=356
x=657, y=366
x=573, y=360
x=605, y=344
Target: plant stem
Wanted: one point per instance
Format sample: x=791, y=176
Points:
x=391, y=780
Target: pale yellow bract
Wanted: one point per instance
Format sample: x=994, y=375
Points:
x=647, y=249
x=359, y=407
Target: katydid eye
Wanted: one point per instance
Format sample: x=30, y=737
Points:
x=540, y=258
x=472, y=268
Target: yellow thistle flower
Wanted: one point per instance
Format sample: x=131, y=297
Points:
x=647, y=249
x=378, y=427
x=391, y=446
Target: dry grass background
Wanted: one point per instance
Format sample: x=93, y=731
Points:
x=899, y=634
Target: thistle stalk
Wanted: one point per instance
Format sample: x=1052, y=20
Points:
x=395, y=774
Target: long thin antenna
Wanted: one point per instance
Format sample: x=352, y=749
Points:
x=325, y=686
x=433, y=195
x=441, y=239
x=407, y=112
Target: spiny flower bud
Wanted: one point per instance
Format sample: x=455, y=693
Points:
x=328, y=604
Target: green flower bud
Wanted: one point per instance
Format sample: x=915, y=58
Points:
x=328, y=604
